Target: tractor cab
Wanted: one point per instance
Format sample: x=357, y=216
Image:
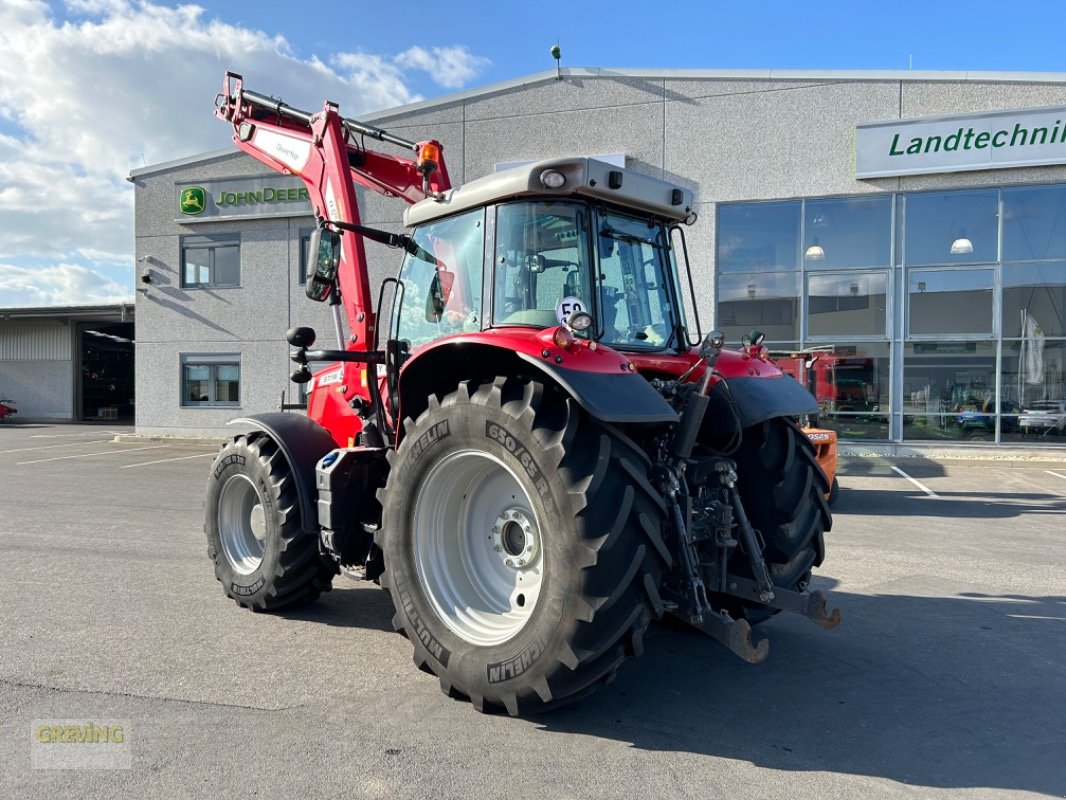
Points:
x=529, y=247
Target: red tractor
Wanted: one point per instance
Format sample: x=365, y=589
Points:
x=535, y=460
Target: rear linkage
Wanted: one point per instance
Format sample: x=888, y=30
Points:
x=705, y=507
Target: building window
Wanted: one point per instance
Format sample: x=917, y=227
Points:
x=950, y=301
x=843, y=304
x=212, y=261
x=1034, y=223
x=764, y=301
x=949, y=390
x=758, y=236
x=305, y=242
x=957, y=299
x=211, y=380
x=1035, y=292
x=951, y=227
x=847, y=233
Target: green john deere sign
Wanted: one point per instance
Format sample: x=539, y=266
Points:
x=242, y=198
x=192, y=201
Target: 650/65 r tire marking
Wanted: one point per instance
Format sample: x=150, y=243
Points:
x=233, y=458
x=498, y=433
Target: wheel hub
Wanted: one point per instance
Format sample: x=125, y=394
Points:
x=515, y=538
x=477, y=547
x=242, y=524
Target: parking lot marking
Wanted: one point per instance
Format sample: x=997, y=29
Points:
x=86, y=455
x=52, y=446
x=66, y=435
x=1056, y=474
x=164, y=460
x=917, y=483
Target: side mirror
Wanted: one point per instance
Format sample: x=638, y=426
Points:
x=323, y=259
x=440, y=291
x=712, y=344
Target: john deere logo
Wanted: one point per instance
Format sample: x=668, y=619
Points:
x=192, y=201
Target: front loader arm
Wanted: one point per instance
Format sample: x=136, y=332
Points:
x=327, y=152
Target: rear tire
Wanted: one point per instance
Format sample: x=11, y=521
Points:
x=834, y=492
x=473, y=472
x=783, y=490
x=262, y=557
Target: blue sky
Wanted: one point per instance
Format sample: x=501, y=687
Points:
x=90, y=89
x=516, y=37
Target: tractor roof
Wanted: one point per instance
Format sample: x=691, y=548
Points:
x=584, y=177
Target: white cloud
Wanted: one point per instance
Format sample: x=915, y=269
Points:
x=122, y=84
x=450, y=67
x=62, y=284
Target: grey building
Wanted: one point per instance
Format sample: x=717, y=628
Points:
x=900, y=237
x=68, y=363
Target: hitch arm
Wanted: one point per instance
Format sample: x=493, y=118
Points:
x=812, y=605
x=734, y=634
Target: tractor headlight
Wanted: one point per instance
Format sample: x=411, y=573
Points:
x=552, y=179
x=579, y=321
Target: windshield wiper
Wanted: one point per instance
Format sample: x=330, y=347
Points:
x=631, y=238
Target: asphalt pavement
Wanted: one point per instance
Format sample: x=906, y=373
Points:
x=945, y=679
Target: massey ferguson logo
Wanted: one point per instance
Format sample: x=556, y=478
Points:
x=192, y=201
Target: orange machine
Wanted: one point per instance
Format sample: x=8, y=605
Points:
x=825, y=448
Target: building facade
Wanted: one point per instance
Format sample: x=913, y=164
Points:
x=899, y=237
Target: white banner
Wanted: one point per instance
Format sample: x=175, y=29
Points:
x=1033, y=342
x=996, y=140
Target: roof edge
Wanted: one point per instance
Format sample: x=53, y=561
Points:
x=725, y=74
x=95, y=309
x=198, y=158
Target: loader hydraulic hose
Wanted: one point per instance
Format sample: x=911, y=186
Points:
x=354, y=125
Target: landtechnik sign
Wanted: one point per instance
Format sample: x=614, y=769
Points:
x=993, y=140
x=242, y=198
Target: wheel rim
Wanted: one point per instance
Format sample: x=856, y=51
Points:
x=241, y=524
x=477, y=545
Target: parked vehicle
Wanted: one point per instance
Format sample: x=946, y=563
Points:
x=7, y=407
x=977, y=419
x=1043, y=417
x=538, y=460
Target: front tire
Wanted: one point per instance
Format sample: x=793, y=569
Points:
x=262, y=558
x=522, y=546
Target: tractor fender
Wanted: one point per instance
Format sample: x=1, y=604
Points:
x=303, y=442
x=624, y=398
x=615, y=397
x=758, y=399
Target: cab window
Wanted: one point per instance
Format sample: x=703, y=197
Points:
x=441, y=282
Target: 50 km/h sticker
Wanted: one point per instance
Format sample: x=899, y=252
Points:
x=567, y=306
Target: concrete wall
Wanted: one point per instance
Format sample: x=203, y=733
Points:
x=40, y=390
x=746, y=137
